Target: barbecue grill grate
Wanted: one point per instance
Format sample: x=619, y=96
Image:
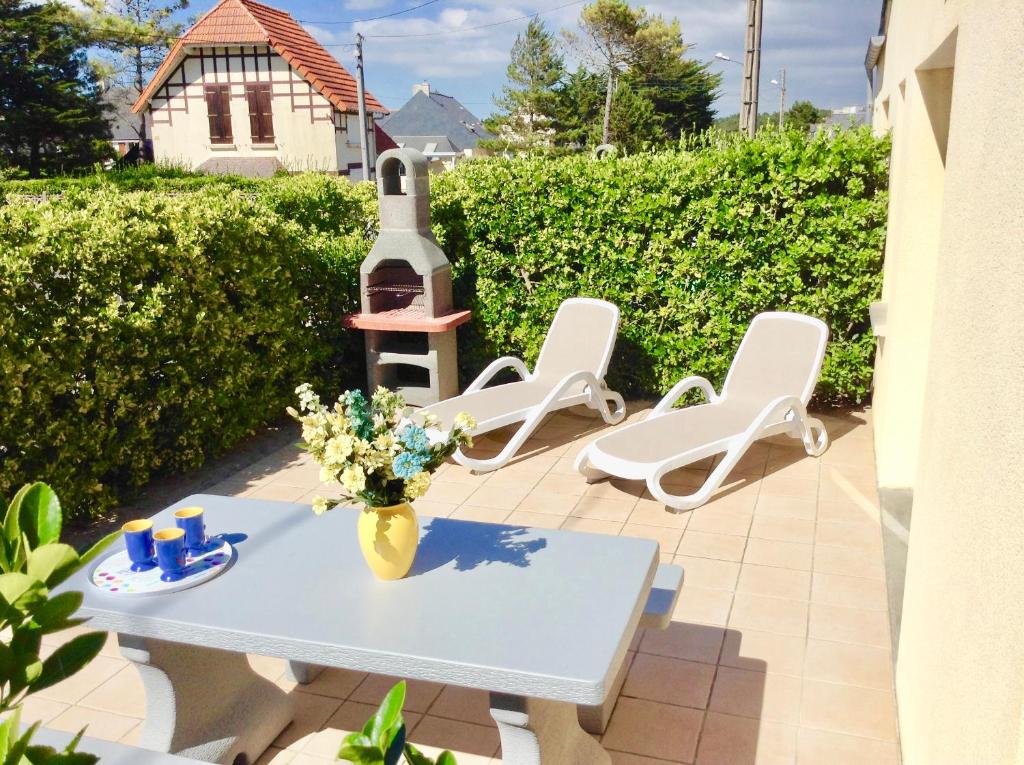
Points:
x=395, y=289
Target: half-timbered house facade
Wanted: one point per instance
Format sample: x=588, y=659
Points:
x=247, y=90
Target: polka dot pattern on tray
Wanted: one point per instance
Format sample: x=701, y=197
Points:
x=114, y=574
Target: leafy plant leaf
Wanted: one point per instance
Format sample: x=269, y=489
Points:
x=40, y=515
x=53, y=563
x=69, y=658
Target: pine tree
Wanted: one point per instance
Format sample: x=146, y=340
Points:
x=135, y=36
x=51, y=118
x=529, y=100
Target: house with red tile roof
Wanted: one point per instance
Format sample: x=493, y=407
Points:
x=247, y=90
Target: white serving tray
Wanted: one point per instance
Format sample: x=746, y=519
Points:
x=113, y=575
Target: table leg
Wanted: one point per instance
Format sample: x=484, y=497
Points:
x=540, y=732
x=302, y=673
x=205, y=703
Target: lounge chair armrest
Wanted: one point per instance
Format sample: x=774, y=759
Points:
x=780, y=406
x=505, y=362
x=679, y=389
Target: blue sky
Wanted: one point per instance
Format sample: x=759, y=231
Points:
x=821, y=43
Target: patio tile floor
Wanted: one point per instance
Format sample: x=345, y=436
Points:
x=779, y=647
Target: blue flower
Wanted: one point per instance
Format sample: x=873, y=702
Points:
x=406, y=465
x=415, y=439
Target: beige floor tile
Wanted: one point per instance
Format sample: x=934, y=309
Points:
x=565, y=466
x=817, y=747
x=573, y=485
x=775, y=698
x=311, y=712
x=717, y=521
x=122, y=694
x=592, y=526
x=498, y=497
x=667, y=539
x=848, y=709
x=655, y=730
x=779, y=506
x=518, y=479
x=455, y=493
x=269, y=667
x=784, y=483
x=480, y=514
x=534, y=520
x=849, y=663
x=651, y=512
x=708, y=573
x=682, y=640
x=703, y=606
x=466, y=704
x=774, y=582
x=326, y=743
x=849, y=625
x=279, y=492
x=862, y=536
x=782, y=529
x=461, y=738
x=94, y=674
x=616, y=488
x=756, y=612
x=839, y=488
x=433, y=509
x=730, y=740
x=301, y=758
x=275, y=756
x=336, y=683
x=103, y=725
x=770, y=552
x=538, y=501
x=625, y=758
x=785, y=463
x=683, y=480
x=848, y=561
x=672, y=681
x=848, y=591
x=848, y=512
x=763, y=652
x=700, y=544
x=461, y=474
x=37, y=709
x=419, y=694
x=617, y=510
x=740, y=498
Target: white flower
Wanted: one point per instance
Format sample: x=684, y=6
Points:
x=320, y=505
x=436, y=436
x=326, y=475
x=417, y=485
x=465, y=421
x=353, y=479
x=339, y=449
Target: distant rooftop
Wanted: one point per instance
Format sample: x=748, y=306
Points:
x=435, y=123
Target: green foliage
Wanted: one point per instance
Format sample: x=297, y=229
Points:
x=382, y=739
x=33, y=562
x=141, y=332
x=52, y=119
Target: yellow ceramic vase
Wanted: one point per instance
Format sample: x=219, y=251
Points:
x=388, y=537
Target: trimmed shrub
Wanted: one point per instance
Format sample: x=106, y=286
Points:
x=142, y=331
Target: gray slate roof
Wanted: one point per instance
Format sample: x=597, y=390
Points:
x=123, y=123
x=251, y=167
x=435, y=119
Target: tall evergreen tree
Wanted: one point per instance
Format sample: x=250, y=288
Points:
x=135, y=35
x=528, y=101
x=51, y=118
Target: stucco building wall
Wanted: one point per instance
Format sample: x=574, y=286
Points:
x=309, y=133
x=950, y=374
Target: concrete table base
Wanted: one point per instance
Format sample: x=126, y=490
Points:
x=541, y=732
x=205, y=703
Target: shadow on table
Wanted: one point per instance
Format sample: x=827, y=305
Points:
x=470, y=544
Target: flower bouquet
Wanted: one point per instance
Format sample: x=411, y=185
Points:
x=383, y=458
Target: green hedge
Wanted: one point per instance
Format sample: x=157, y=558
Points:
x=142, y=331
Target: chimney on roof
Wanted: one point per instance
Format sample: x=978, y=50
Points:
x=421, y=87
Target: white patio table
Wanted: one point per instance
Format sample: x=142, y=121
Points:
x=542, y=619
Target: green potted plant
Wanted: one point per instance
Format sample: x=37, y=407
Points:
x=382, y=739
x=33, y=562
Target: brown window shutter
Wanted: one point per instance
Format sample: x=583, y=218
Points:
x=252, y=95
x=266, y=116
x=218, y=108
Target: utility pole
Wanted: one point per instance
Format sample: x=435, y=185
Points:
x=751, y=67
x=782, y=97
x=361, y=97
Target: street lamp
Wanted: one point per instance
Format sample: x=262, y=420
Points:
x=781, y=85
x=722, y=57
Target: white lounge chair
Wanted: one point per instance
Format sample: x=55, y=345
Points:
x=570, y=370
x=765, y=393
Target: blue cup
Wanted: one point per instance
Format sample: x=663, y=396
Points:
x=190, y=520
x=138, y=538
x=170, y=553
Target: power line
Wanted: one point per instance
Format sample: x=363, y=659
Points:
x=480, y=26
x=372, y=18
